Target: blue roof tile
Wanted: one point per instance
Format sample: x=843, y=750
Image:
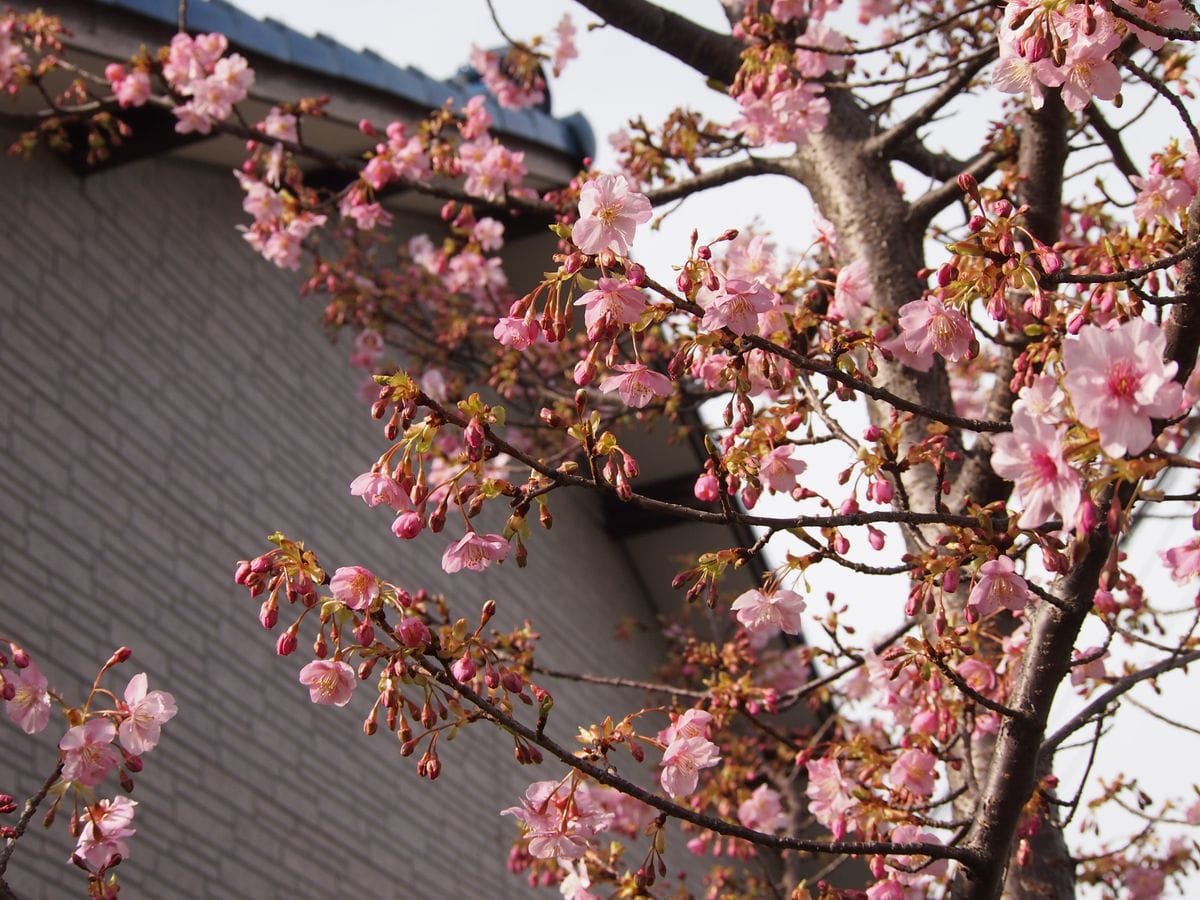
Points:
x=322, y=54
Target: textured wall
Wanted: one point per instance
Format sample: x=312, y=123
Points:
x=165, y=402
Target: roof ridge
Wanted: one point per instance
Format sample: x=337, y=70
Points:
x=323, y=54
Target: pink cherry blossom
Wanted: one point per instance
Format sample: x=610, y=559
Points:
x=355, y=586
x=637, y=384
x=609, y=213
x=1118, y=382
x=30, y=706
x=329, y=681
x=1183, y=561
x=779, y=608
x=474, y=551
x=778, y=470
x=376, y=488
x=87, y=752
x=978, y=675
x=565, y=50
x=829, y=796
x=682, y=761
x=148, y=712
x=693, y=723
x=516, y=332
x=913, y=770
x=613, y=302
x=762, y=811
x=105, y=828
x=737, y=305
x=929, y=326
x=559, y=819
x=912, y=834
x=852, y=291
x=279, y=125
x=998, y=586
x=1082, y=672
x=489, y=233
x=1031, y=457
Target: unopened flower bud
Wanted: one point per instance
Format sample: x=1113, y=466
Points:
x=8, y=803
x=413, y=633
x=636, y=274
x=464, y=668
x=118, y=657
x=707, y=488
x=408, y=525
x=286, y=645
x=512, y=681
x=950, y=580
x=976, y=223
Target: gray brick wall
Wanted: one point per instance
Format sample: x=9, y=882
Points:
x=153, y=428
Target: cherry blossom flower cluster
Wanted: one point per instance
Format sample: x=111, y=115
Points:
x=198, y=69
x=98, y=742
x=1069, y=48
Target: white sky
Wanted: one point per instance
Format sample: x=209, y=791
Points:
x=616, y=77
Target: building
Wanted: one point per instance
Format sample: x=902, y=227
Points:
x=149, y=370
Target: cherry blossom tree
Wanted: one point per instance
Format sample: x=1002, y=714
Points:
x=1025, y=352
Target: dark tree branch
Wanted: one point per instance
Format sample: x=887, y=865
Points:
x=728, y=174
x=607, y=775
x=929, y=204
x=884, y=144
x=1112, y=140
x=714, y=55
x=1122, y=686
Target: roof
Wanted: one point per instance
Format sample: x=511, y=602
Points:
x=570, y=135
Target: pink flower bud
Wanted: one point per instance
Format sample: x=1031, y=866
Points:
x=636, y=275
x=707, y=488
x=683, y=282
x=1105, y=603
x=584, y=373
x=946, y=274
x=286, y=645
x=841, y=544
x=950, y=581
x=875, y=537
x=365, y=126
x=242, y=572
x=364, y=633
x=512, y=681
x=114, y=72
x=413, y=633
x=119, y=656
x=883, y=490
x=268, y=614
x=464, y=668
x=407, y=525
x=20, y=658
x=1002, y=208
x=8, y=803
x=473, y=434
x=977, y=223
